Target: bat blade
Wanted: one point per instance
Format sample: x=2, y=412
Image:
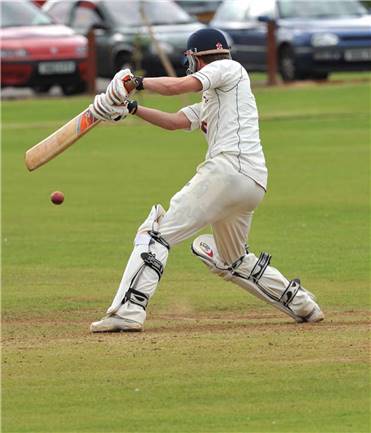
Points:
x=60, y=140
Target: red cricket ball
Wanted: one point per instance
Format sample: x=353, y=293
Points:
x=57, y=197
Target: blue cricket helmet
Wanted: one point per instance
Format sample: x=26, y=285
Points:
x=203, y=42
x=207, y=41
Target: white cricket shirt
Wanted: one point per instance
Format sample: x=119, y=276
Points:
x=229, y=118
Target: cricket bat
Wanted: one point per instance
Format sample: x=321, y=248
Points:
x=60, y=140
x=65, y=136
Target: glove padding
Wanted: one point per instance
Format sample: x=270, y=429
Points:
x=121, y=87
x=102, y=109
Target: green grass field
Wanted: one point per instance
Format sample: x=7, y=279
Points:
x=212, y=358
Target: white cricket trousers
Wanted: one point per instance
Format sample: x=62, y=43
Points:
x=220, y=196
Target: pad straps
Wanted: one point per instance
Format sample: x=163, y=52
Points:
x=260, y=266
x=290, y=292
x=156, y=236
x=150, y=260
x=136, y=297
x=258, y=269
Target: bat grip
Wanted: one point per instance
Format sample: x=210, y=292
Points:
x=129, y=83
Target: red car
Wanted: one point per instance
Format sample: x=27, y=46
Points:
x=38, y=53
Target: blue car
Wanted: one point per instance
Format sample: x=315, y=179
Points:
x=314, y=37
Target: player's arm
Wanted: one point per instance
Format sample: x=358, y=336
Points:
x=124, y=84
x=170, y=121
x=172, y=85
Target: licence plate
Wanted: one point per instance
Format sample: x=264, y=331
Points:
x=358, y=55
x=49, y=68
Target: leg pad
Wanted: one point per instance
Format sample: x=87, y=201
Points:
x=260, y=279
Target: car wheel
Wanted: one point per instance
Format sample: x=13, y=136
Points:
x=41, y=89
x=73, y=89
x=287, y=65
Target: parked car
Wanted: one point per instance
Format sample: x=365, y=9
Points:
x=37, y=53
x=203, y=10
x=122, y=39
x=314, y=37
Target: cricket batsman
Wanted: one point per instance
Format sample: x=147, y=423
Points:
x=224, y=192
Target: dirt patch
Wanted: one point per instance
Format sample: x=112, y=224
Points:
x=254, y=321
x=27, y=331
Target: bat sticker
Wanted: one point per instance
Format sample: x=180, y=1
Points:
x=85, y=121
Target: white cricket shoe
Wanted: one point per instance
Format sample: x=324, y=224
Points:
x=305, y=307
x=115, y=324
x=315, y=316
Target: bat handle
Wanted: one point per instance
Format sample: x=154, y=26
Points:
x=129, y=83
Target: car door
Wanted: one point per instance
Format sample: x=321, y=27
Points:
x=239, y=18
x=86, y=15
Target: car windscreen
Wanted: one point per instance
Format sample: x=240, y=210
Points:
x=232, y=10
x=22, y=13
x=158, y=12
x=320, y=8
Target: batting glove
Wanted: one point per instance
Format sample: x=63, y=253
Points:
x=121, y=87
x=102, y=109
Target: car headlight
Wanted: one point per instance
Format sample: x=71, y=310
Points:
x=324, y=40
x=20, y=52
x=82, y=51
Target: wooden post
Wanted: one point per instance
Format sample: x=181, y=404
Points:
x=271, y=53
x=166, y=62
x=92, y=63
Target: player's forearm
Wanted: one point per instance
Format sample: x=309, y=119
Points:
x=158, y=118
x=172, y=85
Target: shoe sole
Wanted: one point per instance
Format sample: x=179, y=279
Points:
x=107, y=331
x=315, y=316
x=112, y=328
